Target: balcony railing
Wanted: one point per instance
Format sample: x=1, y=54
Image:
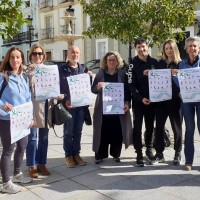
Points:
x=66, y=30
x=20, y=38
x=46, y=4
x=64, y=1
x=47, y=33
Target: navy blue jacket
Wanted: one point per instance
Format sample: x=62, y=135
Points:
x=65, y=71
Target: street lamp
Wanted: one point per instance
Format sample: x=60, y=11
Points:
x=30, y=28
x=129, y=52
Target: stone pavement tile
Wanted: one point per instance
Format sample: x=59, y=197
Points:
x=73, y=172
x=89, y=195
x=158, y=178
x=187, y=190
x=65, y=189
x=126, y=189
x=157, y=194
x=43, y=180
x=21, y=196
x=97, y=178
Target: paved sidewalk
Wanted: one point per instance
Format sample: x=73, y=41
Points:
x=111, y=180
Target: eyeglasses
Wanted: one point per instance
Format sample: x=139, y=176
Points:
x=111, y=60
x=37, y=53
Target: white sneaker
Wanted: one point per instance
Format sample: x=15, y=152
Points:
x=10, y=187
x=19, y=178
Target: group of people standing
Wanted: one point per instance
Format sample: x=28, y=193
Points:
x=109, y=131
x=17, y=86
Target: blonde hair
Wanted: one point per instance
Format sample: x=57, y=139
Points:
x=32, y=49
x=103, y=63
x=177, y=57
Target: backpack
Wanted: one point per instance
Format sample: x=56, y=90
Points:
x=167, y=141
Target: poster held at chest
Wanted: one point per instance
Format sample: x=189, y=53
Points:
x=20, y=120
x=189, y=82
x=113, y=98
x=47, y=83
x=80, y=90
x=160, y=85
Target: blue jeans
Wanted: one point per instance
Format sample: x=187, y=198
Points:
x=37, y=154
x=73, y=131
x=189, y=117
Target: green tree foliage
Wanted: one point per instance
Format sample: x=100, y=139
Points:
x=11, y=18
x=125, y=20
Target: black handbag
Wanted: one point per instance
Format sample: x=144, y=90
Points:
x=60, y=114
x=87, y=119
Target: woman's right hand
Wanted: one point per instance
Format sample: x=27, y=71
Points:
x=174, y=72
x=31, y=67
x=100, y=85
x=7, y=107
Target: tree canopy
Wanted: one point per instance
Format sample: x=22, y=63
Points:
x=126, y=20
x=11, y=18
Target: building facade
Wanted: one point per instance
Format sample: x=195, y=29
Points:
x=58, y=24
x=29, y=32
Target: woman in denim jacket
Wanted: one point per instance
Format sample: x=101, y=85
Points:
x=192, y=46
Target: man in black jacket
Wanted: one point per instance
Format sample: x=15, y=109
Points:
x=142, y=106
x=72, y=128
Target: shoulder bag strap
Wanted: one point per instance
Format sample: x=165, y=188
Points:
x=3, y=86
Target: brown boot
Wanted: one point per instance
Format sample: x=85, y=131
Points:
x=43, y=170
x=70, y=161
x=33, y=172
x=79, y=161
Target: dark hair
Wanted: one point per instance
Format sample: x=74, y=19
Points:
x=140, y=41
x=5, y=66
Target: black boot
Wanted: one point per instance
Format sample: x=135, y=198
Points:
x=177, y=158
x=150, y=156
x=139, y=159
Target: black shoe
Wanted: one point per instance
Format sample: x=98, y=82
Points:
x=116, y=159
x=177, y=158
x=159, y=157
x=150, y=156
x=98, y=161
x=139, y=160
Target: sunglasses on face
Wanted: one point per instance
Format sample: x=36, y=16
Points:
x=37, y=53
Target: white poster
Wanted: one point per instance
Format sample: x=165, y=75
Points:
x=80, y=90
x=160, y=85
x=47, y=83
x=113, y=98
x=189, y=82
x=20, y=120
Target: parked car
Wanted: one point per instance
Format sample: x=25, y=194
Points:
x=94, y=65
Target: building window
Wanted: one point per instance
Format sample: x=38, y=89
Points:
x=101, y=48
x=48, y=54
x=64, y=55
x=27, y=4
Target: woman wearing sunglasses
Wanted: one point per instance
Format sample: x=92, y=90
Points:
x=36, y=152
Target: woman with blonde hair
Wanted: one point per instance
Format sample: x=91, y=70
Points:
x=170, y=108
x=36, y=151
x=110, y=129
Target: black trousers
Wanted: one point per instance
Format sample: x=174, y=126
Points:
x=171, y=108
x=147, y=112
x=8, y=149
x=111, y=134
